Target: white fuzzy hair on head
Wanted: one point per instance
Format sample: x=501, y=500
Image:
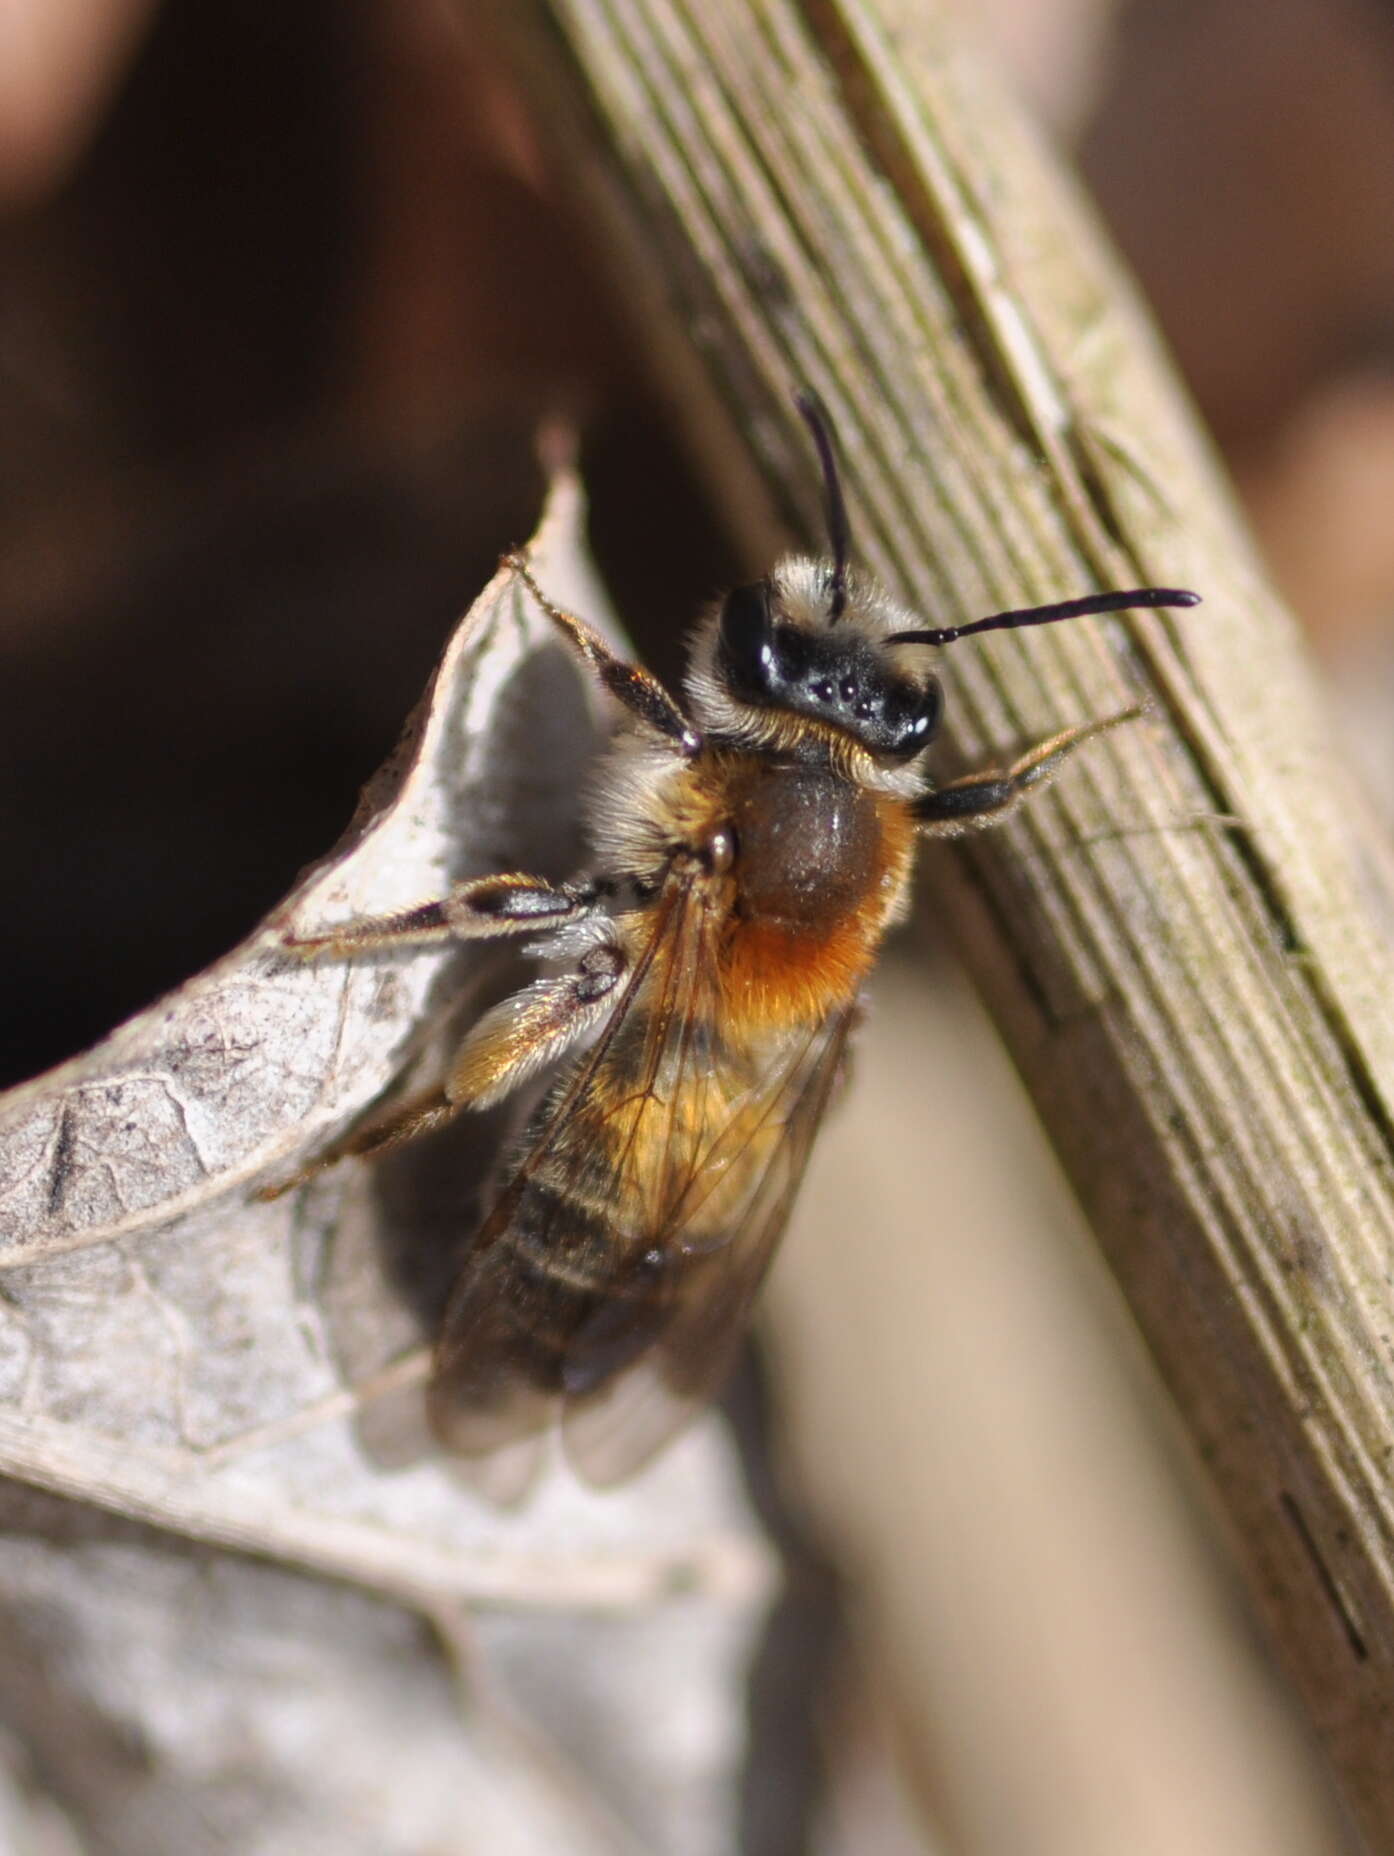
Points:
x=800, y=586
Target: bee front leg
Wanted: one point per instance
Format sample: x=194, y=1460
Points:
x=641, y=694
x=984, y=798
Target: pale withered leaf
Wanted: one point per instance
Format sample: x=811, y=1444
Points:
x=180, y=1362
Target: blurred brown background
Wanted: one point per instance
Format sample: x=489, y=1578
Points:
x=282, y=294
x=280, y=306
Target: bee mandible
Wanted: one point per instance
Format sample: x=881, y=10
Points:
x=752, y=841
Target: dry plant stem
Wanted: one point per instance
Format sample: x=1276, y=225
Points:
x=824, y=194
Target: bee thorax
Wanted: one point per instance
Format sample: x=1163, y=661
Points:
x=807, y=844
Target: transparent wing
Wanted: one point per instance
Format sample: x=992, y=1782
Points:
x=709, y=1273
x=610, y=1284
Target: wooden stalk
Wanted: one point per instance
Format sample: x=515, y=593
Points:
x=1187, y=944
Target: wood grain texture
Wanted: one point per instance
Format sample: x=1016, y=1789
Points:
x=1188, y=943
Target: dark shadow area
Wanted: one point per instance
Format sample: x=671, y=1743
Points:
x=804, y=1641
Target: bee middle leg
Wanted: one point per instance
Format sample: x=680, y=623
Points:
x=487, y=908
x=984, y=798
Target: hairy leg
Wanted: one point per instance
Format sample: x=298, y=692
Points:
x=986, y=797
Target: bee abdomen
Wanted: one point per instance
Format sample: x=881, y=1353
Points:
x=587, y=1298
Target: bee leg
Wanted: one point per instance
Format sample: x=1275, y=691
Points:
x=400, y=1124
x=490, y=907
x=508, y=1046
x=643, y=695
x=486, y=909
x=985, y=798
x=522, y=1035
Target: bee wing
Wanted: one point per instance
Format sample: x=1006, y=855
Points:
x=610, y=1283
x=696, y=1330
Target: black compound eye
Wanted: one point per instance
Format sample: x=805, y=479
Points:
x=746, y=634
x=912, y=724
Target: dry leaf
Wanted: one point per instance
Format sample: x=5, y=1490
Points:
x=176, y=1365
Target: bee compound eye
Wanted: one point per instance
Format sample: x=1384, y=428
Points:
x=926, y=713
x=913, y=722
x=746, y=633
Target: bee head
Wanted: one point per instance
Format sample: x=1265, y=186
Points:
x=815, y=642
x=810, y=641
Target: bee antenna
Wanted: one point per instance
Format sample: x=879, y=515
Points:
x=815, y=417
x=1047, y=615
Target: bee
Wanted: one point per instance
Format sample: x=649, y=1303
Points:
x=752, y=842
